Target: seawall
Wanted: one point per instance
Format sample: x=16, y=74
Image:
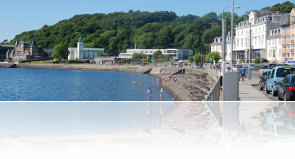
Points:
x=135, y=69
x=7, y=65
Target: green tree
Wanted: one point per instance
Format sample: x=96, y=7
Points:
x=159, y=57
x=285, y=7
x=60, y=52
x=197, y=58
x=136, y=57
x=213, y=55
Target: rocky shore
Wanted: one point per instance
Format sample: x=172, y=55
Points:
x=187, y=87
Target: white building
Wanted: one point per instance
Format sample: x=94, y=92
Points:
x=265, y=34
x=261, y=24
x=216, y=46
x=274, y=46
x=173, y=53
x=83, y=53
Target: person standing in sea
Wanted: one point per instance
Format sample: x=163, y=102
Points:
x=149, y=92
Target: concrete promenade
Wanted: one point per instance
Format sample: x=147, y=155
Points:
x=253, y=103
x=247, y=92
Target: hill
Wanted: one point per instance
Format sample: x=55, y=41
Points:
x=119, y=31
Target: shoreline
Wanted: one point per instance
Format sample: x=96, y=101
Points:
x=193, y=85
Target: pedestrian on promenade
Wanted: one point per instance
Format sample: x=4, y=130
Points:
x=243, y=73
x=161, y=94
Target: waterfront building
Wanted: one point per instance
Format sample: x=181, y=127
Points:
x=261, y=23
x=274, y=46
x=288, y=33
x=266, y=33
x=182, y=54
x=216, y=46
x=105, y=59
x=27, y=51
x=83, y=53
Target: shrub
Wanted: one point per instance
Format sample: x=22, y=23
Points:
x=257, y=60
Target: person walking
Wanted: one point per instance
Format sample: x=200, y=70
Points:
x=243, y=73
x=161, y=94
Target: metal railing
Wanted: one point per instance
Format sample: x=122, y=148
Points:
x=215, y=111
x=214, y=93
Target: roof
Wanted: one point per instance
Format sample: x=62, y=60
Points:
x=95, y=49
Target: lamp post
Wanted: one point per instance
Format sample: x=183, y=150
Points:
x=250, y=43
x=224, y=39
x=232, y=31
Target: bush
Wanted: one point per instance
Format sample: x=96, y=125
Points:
x=123, y=60
x=257, y=60
x=79, y=61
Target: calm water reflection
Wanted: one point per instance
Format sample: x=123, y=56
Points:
x=76, y=85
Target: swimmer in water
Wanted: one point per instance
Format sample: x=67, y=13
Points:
x=149, y=92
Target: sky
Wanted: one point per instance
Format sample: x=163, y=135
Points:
x=18, y=16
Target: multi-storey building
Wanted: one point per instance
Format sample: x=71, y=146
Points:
x=266, y=36
x=274, y=46
x=261, y=24
x=216, y=46
x=288, y=37
x=27, y=51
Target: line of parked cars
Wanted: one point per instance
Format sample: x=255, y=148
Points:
x=280, y=82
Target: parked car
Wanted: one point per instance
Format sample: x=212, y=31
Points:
x=277, y=75
x=287, y=88
x=264, y=67
x=263, y=79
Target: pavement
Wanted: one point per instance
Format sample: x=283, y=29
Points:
x=248, y=90
x=253, y=103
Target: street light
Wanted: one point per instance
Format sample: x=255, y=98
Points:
x=232, y=31
x=250, y=43
x=224, y=40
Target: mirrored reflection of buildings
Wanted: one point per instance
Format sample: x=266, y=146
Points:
x=27, y=51
x=267, y=36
